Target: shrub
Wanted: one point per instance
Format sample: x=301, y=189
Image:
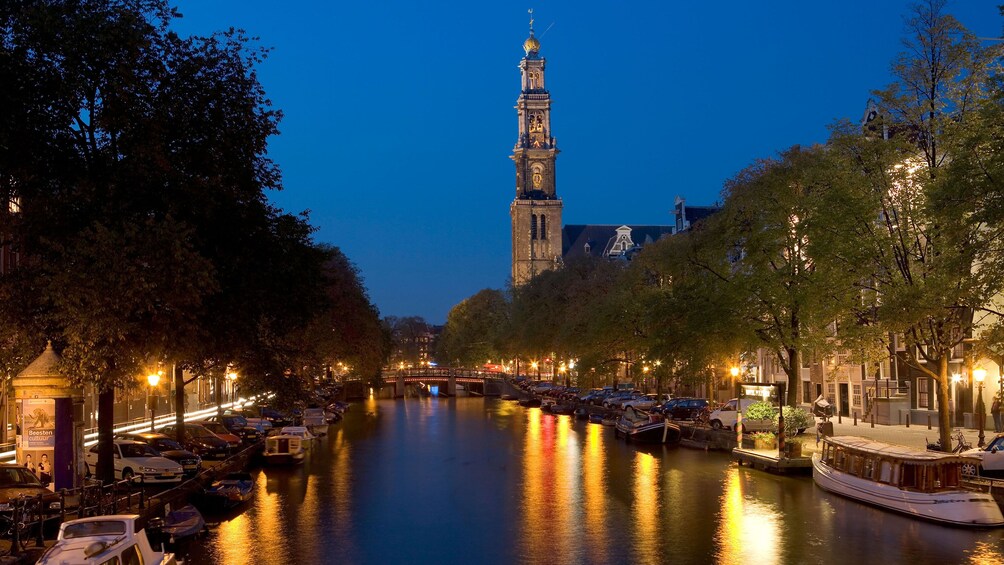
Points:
x=760, y=411
x=796, y=419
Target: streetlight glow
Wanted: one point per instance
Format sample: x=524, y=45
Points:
x=979, y=373
x=734, y=371
x=153, y=379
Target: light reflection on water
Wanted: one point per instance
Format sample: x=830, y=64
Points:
x=486, y=481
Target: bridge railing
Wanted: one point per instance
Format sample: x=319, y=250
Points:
x=439, y=373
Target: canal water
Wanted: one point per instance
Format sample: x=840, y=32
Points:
x=474, y=480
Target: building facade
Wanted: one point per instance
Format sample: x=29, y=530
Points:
x=536, y=210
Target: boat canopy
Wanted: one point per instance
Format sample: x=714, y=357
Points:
x=905, y=453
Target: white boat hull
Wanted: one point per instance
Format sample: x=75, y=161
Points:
x=958, y=507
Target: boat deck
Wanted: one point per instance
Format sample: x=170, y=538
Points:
x=768, y=460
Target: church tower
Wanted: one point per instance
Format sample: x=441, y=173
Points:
x=536, y=210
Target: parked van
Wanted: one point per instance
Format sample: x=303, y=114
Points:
x=725, y=417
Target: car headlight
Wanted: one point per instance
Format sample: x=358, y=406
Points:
x=150, y=470
x=56, y=505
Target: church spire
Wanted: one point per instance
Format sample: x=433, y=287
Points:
x=532, y=44
x=536, y=210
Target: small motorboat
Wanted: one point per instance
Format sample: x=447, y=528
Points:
x=564, y=409
x=231, y=490
x=509, y=397
x=640, y=426
x=284, y=449
x=301, y=432
x=530, y=402
x=316, y=421
x=104, y=539
x=595, y=418
x=183, y=522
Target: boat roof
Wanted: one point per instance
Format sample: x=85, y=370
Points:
x=895, y=451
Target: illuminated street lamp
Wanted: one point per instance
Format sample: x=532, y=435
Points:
x=979, y=374
x=734, y=371
x=153, y=379
x=232, y=377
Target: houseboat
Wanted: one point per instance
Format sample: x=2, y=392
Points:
x=921, y=483
x=640, y=426
x=104, y=539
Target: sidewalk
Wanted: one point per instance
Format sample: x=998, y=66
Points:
x=914, y=436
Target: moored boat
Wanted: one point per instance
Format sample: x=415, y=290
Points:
x=530, y=402
x=315, y=420
x=231, y=490
x=913, y=481
x=183, y=522
x=284, y=449
x=637, y=425
x=104, y=539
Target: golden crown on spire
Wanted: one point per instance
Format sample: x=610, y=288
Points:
x=532, y=44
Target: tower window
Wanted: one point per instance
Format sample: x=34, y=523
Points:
x=543, y=226
x=533, y=226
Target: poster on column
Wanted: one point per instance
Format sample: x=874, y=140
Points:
x=39, y=429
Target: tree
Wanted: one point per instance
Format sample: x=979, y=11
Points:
x=785, y=276
x=476, y=330
x=935, y=246
x=143, y=215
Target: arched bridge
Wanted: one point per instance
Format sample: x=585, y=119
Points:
x=446, y=379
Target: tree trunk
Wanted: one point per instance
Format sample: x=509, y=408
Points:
x=106, y=428
x=794, y=376
x=179, y=404
x=944, y=406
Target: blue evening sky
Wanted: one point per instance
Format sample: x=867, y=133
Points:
x=399, y=117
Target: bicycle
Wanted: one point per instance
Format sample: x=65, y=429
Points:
x=21, y=525
x=961, y=443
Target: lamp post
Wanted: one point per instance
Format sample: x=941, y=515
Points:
x=734, y=371
x=979, y=374
x=153, y=379
x=956, y=379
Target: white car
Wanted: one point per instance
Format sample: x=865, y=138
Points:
x=991, y=456
x=137, y=459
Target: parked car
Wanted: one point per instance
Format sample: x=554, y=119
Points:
x=137, y=459
x=646, y=402
x=687, y=408
x=991, y=459
x=239, y=426
x=17, y=481
x=725, y=417
x=200, y=441
x=167, y=447
x=232, y=439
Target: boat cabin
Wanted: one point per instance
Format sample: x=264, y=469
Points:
x=902, y=467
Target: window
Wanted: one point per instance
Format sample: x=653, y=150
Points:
x=533, y=226
x=923, y=392
x=543, y=226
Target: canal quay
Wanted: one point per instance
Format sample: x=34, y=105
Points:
x=482, y=480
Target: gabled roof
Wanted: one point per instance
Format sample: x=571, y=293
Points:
x=599, y=238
